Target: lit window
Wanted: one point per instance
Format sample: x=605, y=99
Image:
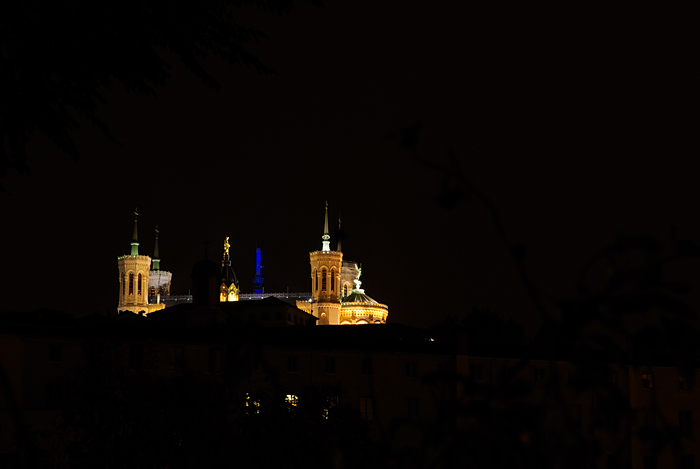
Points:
x=331, y=402
x=323, y=279
x=647, y=380
x=252, y=406
x=291, y=400
x=131, y=283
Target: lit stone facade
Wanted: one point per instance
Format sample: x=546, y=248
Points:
x=133, y=284
x=336, y=297
x=159, y=282
x=348, y=274
x=325, y=285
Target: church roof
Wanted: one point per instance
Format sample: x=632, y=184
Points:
x=358, y=296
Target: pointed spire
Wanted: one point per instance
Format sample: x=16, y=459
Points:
x=135, y=238
x=326, y=236
x=156, y=255
x=340, y=236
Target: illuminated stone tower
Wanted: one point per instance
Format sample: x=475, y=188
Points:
x=134, y=277
x=158, y=280
x=228, y=289
x=325, y=280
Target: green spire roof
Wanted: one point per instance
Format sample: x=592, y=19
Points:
x=135, y=239
x=156, y=255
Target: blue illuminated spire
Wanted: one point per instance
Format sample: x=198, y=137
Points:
x=258, y=281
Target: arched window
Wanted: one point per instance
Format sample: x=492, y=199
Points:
x=345, y=290
x=332, y=280
x=140, y=284
x=323, y=279
x=123, y=284
x=131, y=283
x=316, y=280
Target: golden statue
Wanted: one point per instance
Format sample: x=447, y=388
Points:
x=226, y=246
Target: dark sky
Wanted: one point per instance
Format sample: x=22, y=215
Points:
x=580, y=125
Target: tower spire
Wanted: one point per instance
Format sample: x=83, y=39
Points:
x=156, y=255
x=326, y=236
x=340, y=235
x=135, y=238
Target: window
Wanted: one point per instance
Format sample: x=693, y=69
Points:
x=444, y=367
x=345, y=290
x=411, y=404
x=131, y=283
x=291, y=400
x=367, y=408
x=215, y=360
x=140, y=284
x=685, y=422
x=252, y=406
x=538, y=374
x=647, y=380
x=55, y=353
x=177, y=358
x=475, y=372
x=54, y=395
x=292, y=364
x=614, y=461
x=135, y=356
x=411, y=369
x=576, y=416
x=316, y=280
x=687, y=461
x=123, y=284
x=323, y=279
x=367, y=367
x=331, y=402
x=330, y=365
x=683, y=385
x=648, y=418
x=649, y=461
x=332, y=280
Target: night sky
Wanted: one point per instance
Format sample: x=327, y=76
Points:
x=580, y=125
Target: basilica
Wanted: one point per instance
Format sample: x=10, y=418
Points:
x=335, y=299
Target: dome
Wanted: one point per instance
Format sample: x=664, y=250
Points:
x=358, y=297
x=228, y=276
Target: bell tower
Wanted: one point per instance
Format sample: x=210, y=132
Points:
x=325, y=280
x=134, y=272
